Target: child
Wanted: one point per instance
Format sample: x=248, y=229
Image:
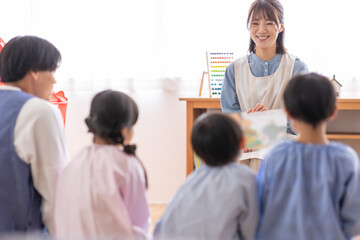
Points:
x=101, y=193
x=309, y=188
x=217, y=201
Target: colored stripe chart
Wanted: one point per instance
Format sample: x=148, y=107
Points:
x=218, y=62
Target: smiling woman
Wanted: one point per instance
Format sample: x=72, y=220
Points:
x=256, y=81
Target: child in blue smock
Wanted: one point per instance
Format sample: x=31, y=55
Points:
x=217, y=201
x=309, y=188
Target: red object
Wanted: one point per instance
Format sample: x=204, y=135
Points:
x=2, y=44
x=61, y=101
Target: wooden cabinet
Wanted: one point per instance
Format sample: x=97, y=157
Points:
x=197, y=105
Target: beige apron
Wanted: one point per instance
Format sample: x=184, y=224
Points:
x=267, y=90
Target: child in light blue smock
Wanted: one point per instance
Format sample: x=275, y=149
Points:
x=217, y=201
x=309, y=188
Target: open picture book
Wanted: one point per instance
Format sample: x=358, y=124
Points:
x=262, y=130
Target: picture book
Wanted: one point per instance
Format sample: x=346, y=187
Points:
x=262, y=130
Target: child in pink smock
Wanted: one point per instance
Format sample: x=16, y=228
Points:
x=101, y=193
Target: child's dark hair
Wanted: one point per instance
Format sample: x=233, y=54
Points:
x=310, y=97
x=27, y=53
x=216, y=139
x=110, y=112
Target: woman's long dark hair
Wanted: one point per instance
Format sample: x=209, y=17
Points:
x=111, y=111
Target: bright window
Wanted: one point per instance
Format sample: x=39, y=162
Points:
x=117, y=42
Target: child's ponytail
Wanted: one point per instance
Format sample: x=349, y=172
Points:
x=130, y=149
x=112, y=111
x=116, y=137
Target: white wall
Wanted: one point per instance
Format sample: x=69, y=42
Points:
x=160, y=135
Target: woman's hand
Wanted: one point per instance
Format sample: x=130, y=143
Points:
x=246, y=150
x=258, y=108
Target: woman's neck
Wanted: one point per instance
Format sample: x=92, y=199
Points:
x=309, y=134
x=266, y=54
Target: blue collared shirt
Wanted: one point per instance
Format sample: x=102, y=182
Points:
x=214, y=203
x=309, y=191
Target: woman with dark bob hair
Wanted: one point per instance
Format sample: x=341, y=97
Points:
x=255, y=82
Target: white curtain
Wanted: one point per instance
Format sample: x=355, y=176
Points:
x=139, y=43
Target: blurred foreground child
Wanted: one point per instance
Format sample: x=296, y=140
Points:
x=309, y=188
x=101, y=193
x=217, y=201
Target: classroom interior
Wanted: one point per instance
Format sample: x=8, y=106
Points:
x=155, y=51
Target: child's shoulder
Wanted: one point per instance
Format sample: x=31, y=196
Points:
x=102, y=150
x=281, y=147
x=338, y=146
x=332, y=146
x=343, y=152
x=236, y=177
x=243, y=170
x=229, y=169
x=106, y=154
x=335, y=150
x=229, y=172
x=284, y=144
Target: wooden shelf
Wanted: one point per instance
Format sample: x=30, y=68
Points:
x=195, y=106
x=334, y=136
x=348, y=104
x=203, y=103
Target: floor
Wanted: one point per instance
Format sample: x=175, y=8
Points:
x=156, y=213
